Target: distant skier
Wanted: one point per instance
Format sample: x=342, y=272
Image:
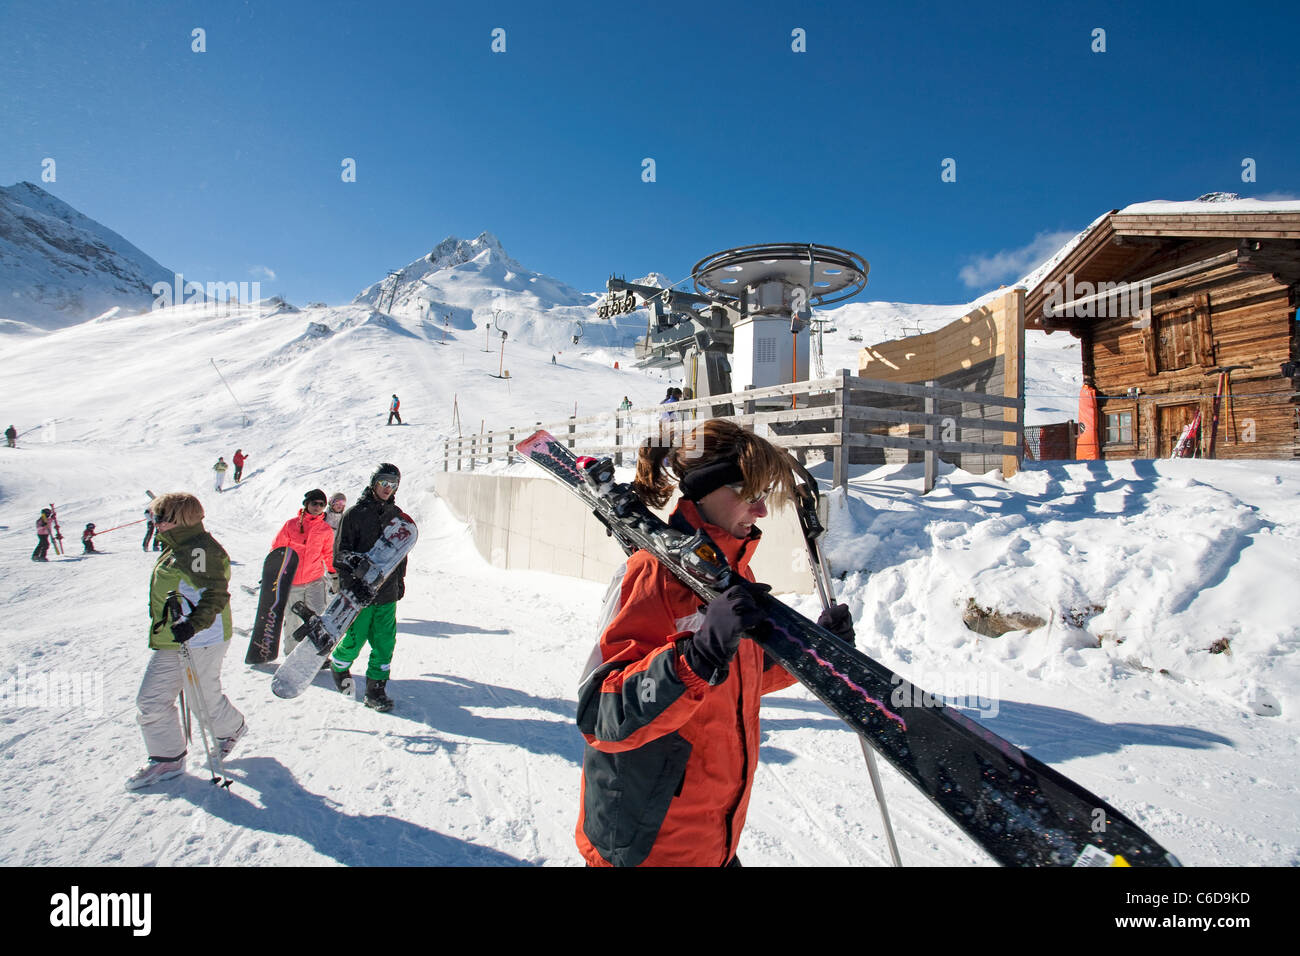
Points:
x=219, y=473
x=43, y=528
x=312, y=538
x=553, y=360
x=150, y=531
x=674, y=395
x=668, y=417
x=88, y=540
x=333, y=517
x=238, y=460
x=625, y=404
x=192, y=576
x=11, y=436
x=376, y=625
x=334, y=513
x=393, y=406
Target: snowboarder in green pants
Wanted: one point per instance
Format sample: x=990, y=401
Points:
x=376, y=625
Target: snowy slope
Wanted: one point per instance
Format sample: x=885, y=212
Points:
x=59, y=267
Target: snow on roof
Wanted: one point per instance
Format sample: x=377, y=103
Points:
x=1210, y=203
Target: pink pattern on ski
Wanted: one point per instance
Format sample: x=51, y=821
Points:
x=845, y=678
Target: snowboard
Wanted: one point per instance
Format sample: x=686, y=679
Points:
x=1016, y=808
x=321, y=632
x=277, y=577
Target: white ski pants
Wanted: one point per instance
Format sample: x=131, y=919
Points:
x=164, y=678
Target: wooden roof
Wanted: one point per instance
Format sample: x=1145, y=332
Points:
x=1126, y=247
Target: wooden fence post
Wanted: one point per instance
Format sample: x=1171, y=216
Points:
x=840, y=469
x=572, y=428
x=618, y=441
x=931, y=432
x=473, y=450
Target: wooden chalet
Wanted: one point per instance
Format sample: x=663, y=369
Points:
x=1174, y=303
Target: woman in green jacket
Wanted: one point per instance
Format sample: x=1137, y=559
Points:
x=194, y=567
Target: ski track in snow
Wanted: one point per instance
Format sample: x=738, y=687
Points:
x=479, y=763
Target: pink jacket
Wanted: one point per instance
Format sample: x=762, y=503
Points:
x=313, y=539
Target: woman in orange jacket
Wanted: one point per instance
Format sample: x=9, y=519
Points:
x=669, y=706
x=313, y=539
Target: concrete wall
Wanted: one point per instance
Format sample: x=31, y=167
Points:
x=536, y=524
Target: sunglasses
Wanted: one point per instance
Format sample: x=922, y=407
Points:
x=315, y=504
x=750, y=499
x=385, y=483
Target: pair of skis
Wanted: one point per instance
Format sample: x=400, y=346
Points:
x=1018, y=809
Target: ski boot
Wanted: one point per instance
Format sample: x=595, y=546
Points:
x=376, y=699
x=342, y=680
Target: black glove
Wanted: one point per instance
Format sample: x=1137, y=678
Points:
x=182, y=631
x=839, y=621
x=726, y=619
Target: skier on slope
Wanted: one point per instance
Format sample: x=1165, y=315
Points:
x=334, y=513
x=669, y=705
x=44, y=525
x=219, y=473
x=11, y=436
x=393, y=406
x=308, y=534
x=238, y=459
x=197, y=569
x=333, y=516
x=88, y=540
x=376, y=625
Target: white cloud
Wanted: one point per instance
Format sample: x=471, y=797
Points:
x=1277, y=197
x=263, y=271
x=1010, y=265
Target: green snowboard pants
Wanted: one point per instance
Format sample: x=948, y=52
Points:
x=377, y=626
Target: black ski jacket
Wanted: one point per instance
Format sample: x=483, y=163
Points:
x=359, y=529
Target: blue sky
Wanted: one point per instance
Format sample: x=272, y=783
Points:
x=226, y=164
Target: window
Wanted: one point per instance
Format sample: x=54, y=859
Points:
x=1180, y=335
x=1119, y=428
x=1176, y=340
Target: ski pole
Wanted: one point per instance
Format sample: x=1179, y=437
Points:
x=185, y=712
x=806, y=509
x=115, y=527
x=171, y=609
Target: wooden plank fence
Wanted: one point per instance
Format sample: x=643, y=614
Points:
x=833, y=415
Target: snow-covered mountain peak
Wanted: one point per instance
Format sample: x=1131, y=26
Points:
x=452, y=251
x=59, y=267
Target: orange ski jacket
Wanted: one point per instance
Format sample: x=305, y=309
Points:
x=670, y=761
x=313, y=539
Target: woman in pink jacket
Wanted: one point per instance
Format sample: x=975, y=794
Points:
x=313, y=539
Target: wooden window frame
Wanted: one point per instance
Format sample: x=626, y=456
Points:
x=1106, y=413
x=1197, y=307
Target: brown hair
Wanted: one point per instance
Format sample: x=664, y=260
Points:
x=179, y=507
x=764, y=466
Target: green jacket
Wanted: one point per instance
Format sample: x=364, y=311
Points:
x=194, y=564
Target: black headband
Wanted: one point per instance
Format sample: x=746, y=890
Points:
x=698, y=482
